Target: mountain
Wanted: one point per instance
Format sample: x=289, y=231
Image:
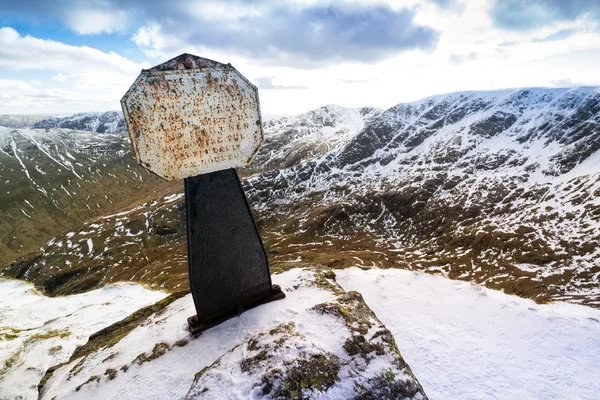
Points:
x=19, y=121
x=101, y=122
x=292, y=140
x=500, y=188
x=54, y=180
x=288, y=140
x=145, y=243
x=95, y=252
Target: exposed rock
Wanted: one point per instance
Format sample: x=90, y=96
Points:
x=286, y=349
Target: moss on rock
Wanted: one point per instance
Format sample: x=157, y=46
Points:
x=111, y=373
x=249, y=363
x=316, y=373
x=159, y=350
x=352, y=309
x=388, y=386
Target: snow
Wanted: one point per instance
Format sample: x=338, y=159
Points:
x=49, y=329
x=538, y=172
x=590, y=165
x=110, y=121
x=306, y=135
x=177, y=367
x=138, y=375
x=463, y=341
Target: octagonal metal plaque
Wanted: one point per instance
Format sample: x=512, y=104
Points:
x=191, y=116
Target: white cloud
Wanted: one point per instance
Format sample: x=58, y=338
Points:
x=89, y=21
x=60, y=78
x=79, y=78
x=27, y=52
x=219, y=12
x=20, y=97
x=471, y=54
x=152, y=40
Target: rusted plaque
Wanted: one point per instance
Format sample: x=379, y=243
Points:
x=191, y=116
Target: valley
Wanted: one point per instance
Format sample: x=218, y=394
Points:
x=498, y=188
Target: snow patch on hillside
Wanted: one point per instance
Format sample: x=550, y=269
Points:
x=291, y=140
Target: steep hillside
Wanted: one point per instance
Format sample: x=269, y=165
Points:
x=53, y=181
x=500, y=188
x=146, y=243
x=292, y=140
x=101, y=122
x=496, y=187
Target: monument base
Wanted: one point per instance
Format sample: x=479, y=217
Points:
x=196, y=326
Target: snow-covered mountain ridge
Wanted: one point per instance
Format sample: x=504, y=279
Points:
x=19, y=120
x=498, y=187
x=101, y=122
x=288, y=140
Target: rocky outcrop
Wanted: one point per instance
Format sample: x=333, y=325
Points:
x=318, y=341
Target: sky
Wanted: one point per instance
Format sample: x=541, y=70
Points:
x=61, y=57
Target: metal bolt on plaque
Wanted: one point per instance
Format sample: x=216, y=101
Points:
x=196, y=119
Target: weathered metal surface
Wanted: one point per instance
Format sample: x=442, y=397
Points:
x=191, y=116
x=228, y=265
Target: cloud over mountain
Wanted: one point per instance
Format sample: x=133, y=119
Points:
x=531, y=14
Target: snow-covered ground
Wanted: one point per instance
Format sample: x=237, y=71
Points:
x=37, y=332
x=177, y=368
x=462, y=341
x=466, y=342
x=159, y=358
